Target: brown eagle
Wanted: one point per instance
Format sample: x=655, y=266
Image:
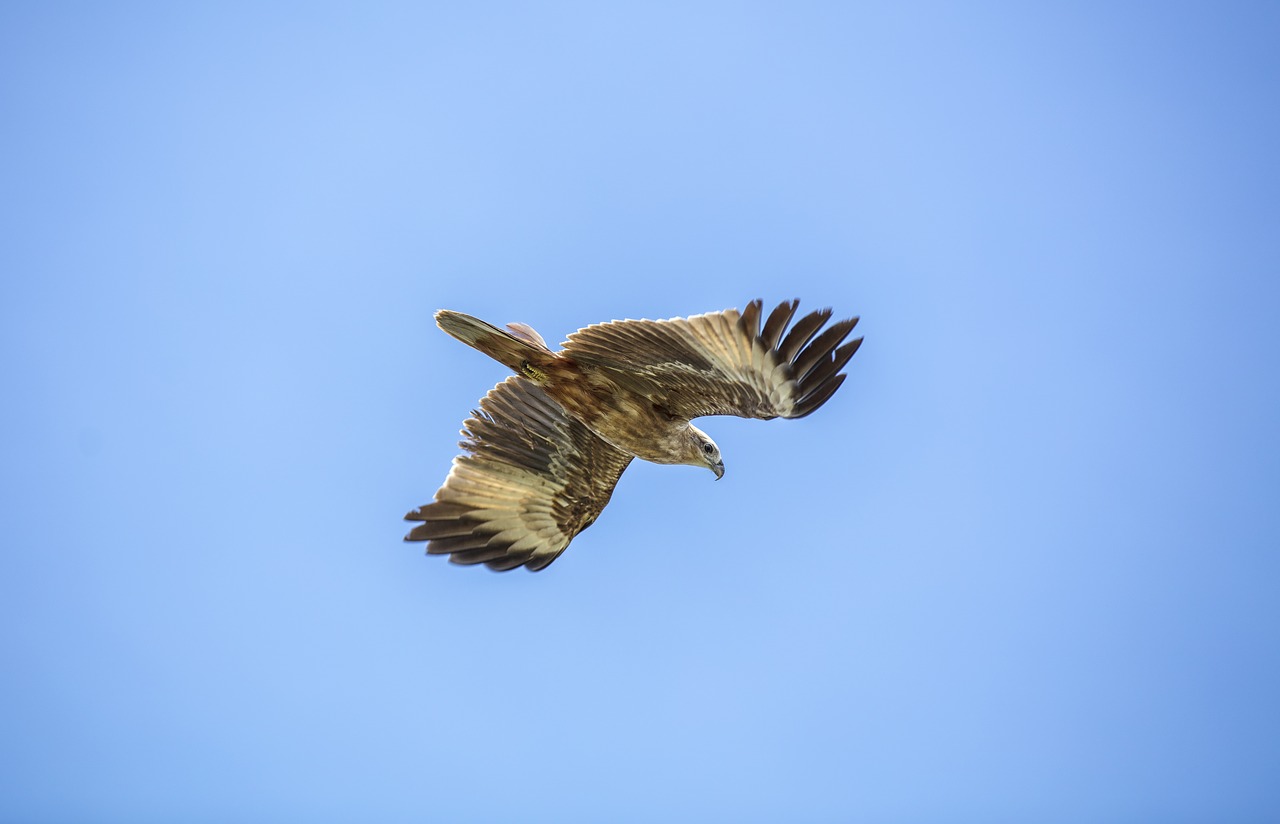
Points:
x=547, y=446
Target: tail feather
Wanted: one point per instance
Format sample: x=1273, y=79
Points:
x=514, y=352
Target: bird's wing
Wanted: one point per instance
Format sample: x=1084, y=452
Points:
x=530, y=479
x=724, y=363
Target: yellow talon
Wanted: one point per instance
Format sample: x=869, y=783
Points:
x=532, y=373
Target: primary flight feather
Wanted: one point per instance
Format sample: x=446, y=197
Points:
x=547, y=446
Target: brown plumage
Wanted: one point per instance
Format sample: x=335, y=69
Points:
x=546, y=448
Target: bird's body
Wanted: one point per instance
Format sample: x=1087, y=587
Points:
x=593, y=392
x=548, y=446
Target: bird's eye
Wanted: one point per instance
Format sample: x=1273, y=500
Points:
x=708, y=448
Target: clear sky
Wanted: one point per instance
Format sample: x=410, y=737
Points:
x=1025, y=566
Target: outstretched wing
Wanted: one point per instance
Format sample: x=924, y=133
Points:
x=530, y=480
x=723, y=363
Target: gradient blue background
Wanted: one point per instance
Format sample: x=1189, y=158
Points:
x=1023, y=567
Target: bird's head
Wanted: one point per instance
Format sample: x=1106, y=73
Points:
x=704, y=452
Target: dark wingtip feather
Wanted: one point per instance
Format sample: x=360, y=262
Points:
x=820, y=395
x=509, y=562
x=539, y=564
x=478, y=556
x=444, y=528
x=415, y=534
x=437, y=510
x=777, y=323
x=749, y=320
x=456, y=543
x=825, y=370
x=821, y=348
x=801, y=334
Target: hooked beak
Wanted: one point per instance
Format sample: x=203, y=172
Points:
x=718, y=468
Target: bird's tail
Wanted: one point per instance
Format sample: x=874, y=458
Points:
x=520, y=349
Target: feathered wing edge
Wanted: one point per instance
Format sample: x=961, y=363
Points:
x=530, y=479
x=725, y=363
x=811, y=358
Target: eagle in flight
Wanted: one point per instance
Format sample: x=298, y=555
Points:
x=547, y=446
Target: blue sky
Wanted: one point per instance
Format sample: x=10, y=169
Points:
x=1022, y=567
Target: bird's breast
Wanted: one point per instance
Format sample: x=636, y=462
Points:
x=628, y=421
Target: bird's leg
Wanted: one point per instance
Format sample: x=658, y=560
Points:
x=532, y=372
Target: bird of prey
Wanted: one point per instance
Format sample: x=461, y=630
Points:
x=545, y=449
